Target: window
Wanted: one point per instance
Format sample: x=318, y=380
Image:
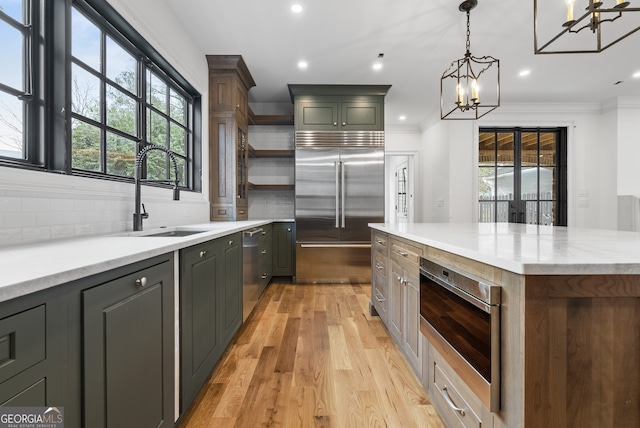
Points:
x=16, y=83
x=522, y=176
x=116, y=95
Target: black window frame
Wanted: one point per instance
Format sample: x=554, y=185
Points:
x=560, y=164
x=48, y=128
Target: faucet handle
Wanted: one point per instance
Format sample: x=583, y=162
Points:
x=144, y=214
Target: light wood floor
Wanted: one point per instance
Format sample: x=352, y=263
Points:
x=311, y=355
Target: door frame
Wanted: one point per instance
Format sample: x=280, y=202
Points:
x=413, y=185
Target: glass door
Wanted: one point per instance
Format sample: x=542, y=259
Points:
x=522, y=175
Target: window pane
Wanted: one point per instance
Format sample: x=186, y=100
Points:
x=121, y=111
x=156, y=128
x=182, y=167
x=85, y=40
x=547, y=183
x=547, y=213
x=85, y=93
x=11, y=126
x=529, y=185
x=156, y=92
x=121, y=153
x=157, y=165
x=85, y=142
x=505, y=148
x=13, y=8
x=487, y=149
x=548, y=146
x=485, y=212
x=11, y=57
x=486, y=184
x=529, y=149
x=178, y=107
x=121, y=66
x=177, y=139
x=531, y=215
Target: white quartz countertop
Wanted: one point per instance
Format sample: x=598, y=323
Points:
x=530, y=249
x=27, y=269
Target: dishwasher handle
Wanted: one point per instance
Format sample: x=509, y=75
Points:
x=250, y=233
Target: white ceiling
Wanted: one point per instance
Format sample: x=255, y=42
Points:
x=341, y=39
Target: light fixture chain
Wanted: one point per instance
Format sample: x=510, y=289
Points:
x=468, y=33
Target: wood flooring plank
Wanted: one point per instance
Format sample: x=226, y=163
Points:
x=236, y=390
x=340, y=359
x=323, y=376
x=287, y=352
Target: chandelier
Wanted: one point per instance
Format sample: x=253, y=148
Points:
x=470, y=87
x=581, y=26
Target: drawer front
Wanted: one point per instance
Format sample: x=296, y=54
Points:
x=22, y=341
x=379, y=242
x=405, y=253
x=450, y=402
x=379, y=295
x=379, y=264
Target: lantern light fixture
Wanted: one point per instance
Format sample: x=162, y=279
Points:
x=470, y=87
x=560, y=26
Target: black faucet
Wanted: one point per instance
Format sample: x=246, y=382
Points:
x=142, y=154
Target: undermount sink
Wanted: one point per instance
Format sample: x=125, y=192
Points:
x=173, y=233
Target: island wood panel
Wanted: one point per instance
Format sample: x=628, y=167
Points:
x=582, y=366
x=468, y=266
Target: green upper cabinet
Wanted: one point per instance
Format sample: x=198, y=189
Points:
x=338, y=107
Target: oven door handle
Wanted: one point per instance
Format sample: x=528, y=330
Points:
x=447, y=398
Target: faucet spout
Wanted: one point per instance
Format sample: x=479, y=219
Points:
x=142, y=154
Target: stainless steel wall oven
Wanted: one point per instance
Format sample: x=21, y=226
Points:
x=461, y=317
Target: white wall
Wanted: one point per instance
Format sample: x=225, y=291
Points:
x=36, y=206
x=450, y=152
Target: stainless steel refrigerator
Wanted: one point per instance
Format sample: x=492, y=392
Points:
x=339, y=191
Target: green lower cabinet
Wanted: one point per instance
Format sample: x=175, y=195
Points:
x=283, y=249
x=128, y=352
x=210, y=309
x=33, y=350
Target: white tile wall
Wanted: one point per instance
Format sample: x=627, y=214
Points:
x=37, y=206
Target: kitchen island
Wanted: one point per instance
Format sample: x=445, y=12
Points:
x=569, y=320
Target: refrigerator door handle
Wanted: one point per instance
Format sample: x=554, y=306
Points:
x=342, y=192
x=337, y=166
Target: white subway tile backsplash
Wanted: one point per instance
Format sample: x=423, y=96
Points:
x=10, y=236
x=33, y=204
x=20, y=219
x=49, y=218
x=35, y=234
x=61, y=232
x=73, y=217
x=10, y=204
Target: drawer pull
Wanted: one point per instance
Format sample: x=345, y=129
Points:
x=379, y=266
x=379, y=241
x=447, y=398
x=264, y=276
x=402, y=253
x=379, y=298
x=263, y=252
x=203, y=253
x=288, y=229
x=141, y=282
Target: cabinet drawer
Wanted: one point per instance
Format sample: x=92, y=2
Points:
x=451, y=402
x=22, y=341
x=405, y=253
x=379, y=264
x=379, y=295
x=380, y=242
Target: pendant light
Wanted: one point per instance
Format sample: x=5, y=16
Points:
x=470, y=88
x=582, y=26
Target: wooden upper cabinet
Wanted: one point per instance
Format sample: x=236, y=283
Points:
x=229, y=84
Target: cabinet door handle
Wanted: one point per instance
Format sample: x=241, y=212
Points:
x=203, y=253
x=264, y=276
x=447, y=398
x=288, y=229
x=335, y=123
x=231, y=242
x=263, y=252
x=344, y=123
x=141, y=282
x=379, y=298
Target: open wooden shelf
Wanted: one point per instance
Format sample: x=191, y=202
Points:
x=270, y=119
x=271, y=186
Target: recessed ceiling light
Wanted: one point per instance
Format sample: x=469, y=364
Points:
x=524, y=73
x=403, y=117
x=377, y=66
x=302, y=65
x=636, y=75
x=296, y=8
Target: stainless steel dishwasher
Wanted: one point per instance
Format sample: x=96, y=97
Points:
x=250, y=272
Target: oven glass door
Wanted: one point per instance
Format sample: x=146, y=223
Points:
x=464, y=326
